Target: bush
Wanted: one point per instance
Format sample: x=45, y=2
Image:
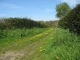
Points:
x=71, y=20
x=12, y=23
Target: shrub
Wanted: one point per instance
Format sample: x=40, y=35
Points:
x=71, y=20
x=11, y=23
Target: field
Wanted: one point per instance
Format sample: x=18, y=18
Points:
x=39, y=44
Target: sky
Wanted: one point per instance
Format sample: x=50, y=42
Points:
x=34, y=9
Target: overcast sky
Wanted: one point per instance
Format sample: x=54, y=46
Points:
x=34, y=9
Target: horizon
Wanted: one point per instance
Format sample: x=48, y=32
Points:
x=39, y=10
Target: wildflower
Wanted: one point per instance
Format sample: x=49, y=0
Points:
x=40, y=47
x=41, y=50
x=57, y=58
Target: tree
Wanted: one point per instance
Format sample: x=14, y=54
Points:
x=77, y=2
x=62, y=9
x=71, y=20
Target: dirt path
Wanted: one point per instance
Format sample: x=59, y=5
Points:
x=26, y=51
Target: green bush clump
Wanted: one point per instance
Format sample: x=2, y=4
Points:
x=13, y=23
x=18, y=23
x=21, y=23
x=71, y=20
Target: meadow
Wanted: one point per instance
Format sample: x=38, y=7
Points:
x=39, y=44
x=10, y=37
x=23, y=38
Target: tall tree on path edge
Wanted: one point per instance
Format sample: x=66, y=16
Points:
x=62, y=9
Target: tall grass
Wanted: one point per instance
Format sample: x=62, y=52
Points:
x=17, y=33
x=65, y=45
x=18, y=36
x=61, y=45
x=54, y=44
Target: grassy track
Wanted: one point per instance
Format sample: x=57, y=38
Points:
x=36, y=48
x=14, y=39
x=20, y=46
x=50, y=44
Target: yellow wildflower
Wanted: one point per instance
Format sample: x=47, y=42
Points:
x=57, y=58
x=41, y=50
x=40, y=47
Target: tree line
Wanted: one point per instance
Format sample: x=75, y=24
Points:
x=69, y=18
x=12, y=23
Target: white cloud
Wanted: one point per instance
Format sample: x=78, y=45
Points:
x=71, y=2
x=10, y=6
x=48, y=10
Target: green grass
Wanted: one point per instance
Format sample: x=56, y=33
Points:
x=13, y=37
x=43, y=44
x=58, y=45
x=61, y=45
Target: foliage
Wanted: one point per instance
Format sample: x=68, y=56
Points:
x=72, y=20
x=17, y=23
x=2, y=24
x=19, y=33
x=14, y=36
x=11, y=23
x=42, y=44
x=62, y=9
x=51, y=23
x=60, y=45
